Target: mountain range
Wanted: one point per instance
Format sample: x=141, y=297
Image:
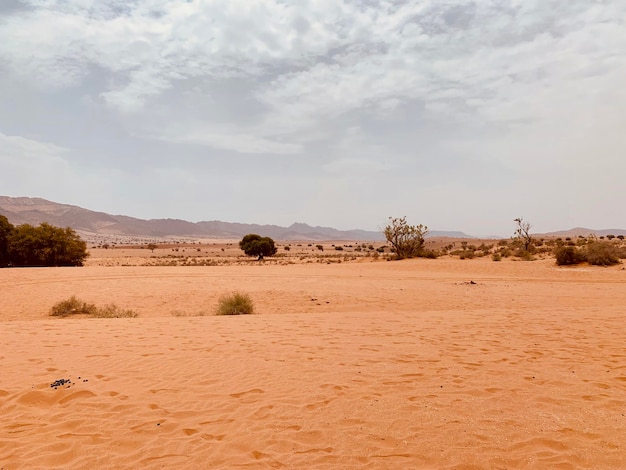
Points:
x=27, y=210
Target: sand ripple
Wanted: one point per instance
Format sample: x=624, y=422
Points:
x=451, y=389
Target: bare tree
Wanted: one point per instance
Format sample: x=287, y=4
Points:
x=522, y=233
x=406, y=240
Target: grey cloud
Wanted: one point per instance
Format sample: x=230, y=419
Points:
x=412, y=96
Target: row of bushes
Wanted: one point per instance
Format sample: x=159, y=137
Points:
x=598, y=253
x=45, y=245
x=236, y=303
x=73, y=306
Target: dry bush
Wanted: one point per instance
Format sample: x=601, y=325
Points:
x=181, y=313
x=568, y=255
x=602, y=254
x=236, y=303
x=526, y=255
x=73, y=306
x=113, y=311
x=407, y=241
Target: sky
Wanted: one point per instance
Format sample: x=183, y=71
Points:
x=460, y=115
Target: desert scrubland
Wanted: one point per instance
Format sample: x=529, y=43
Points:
x=350, y=362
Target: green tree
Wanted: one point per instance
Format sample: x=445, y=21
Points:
x=46, y=245
x=6, y=228
x=407, y=241
x=256, y=245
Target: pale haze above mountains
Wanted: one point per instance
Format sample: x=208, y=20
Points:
x=463, y=114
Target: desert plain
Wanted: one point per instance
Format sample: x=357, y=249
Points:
x=364, y=363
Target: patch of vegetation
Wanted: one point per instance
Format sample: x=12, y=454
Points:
x=602, y=254
x=407, y=241
x=74, y=306
x=113, y=311
x=568, y=255
x=236, y=303
x=181, y=313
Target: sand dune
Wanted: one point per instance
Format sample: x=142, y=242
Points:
x=358, y=365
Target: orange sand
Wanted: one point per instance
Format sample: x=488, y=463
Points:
x=352, y=365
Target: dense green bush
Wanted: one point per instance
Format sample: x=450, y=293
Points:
x=45, y=245
x=256, y=245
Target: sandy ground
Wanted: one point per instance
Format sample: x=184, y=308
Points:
x=352, y=365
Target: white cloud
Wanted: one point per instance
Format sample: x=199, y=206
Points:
x=428, y=89
x=15, y=147
x=228, y=139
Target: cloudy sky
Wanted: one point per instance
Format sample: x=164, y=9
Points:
x=461, y=115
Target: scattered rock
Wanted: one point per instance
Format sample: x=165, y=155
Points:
x=60, y=382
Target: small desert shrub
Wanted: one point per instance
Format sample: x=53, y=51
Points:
x=235, y=304
x=568, y=255
x=339, y=248
x=602, y=254
x=430, y=254
x=72, y=306
x=525, y=254
x=181, y=313
x=113, y=311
